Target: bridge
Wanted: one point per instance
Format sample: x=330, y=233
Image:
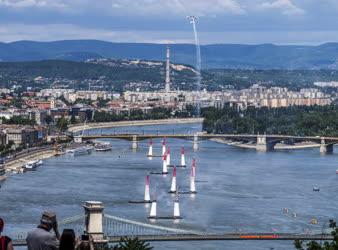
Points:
x=106, y=228
x=262, y=142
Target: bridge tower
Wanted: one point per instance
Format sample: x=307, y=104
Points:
x=94, y=219
x=325, y=148
x=134, y=144
x=195, y=142
x=263, y=145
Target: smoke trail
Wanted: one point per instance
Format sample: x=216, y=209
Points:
x=198, y=62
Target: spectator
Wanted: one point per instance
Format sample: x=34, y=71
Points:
x=86, y=243
x=5, y=241
x=42, y=238
x=68, y=240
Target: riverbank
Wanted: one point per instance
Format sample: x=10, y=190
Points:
x=278, y=146
x=17, y=163
x=80, y=127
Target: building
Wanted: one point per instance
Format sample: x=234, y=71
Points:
x=21, y=135
x=3, y=139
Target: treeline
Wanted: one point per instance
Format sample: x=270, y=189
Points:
x=116, y=76
x=21, y=120
x=155, y=114
x=296, y=120
x=243, y=78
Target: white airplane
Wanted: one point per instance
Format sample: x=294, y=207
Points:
x=192, y=19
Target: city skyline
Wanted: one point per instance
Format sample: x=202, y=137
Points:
x=161, y=21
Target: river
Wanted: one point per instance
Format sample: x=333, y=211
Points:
x=237, y=189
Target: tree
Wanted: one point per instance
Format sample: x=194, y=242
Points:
x=127, y=243
x=314, y=245
x=48, y=119
x=62, y=124
x=73, y=119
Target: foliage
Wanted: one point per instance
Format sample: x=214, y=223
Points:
x=102, y=102
x=62, y=124
x=295, y=120
x=77, y=74
x=156, y=113
x=314, y=245
x=6, y=149
x=48, y=119
x=21, y=120
x=120, y=76
x=127, y=243
x=243, y=78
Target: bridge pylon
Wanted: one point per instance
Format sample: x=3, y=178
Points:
x=195, y=142
x=263, y=144
x=134, y=144
x=325, y=148
x=94, y=219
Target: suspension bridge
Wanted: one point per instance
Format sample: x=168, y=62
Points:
x=108, y=228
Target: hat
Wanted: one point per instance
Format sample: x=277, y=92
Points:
x=48, y=217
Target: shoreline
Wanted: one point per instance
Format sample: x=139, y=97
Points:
x=16, y=165
x=278, y=146
x=80, y=127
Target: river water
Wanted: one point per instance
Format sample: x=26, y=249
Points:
x=238, y=189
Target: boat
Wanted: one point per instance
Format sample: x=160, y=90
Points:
x=38, y=163
x=316, y=189
x=337, y=171
x=103, y=146
x=31, y=165
x=80, y=151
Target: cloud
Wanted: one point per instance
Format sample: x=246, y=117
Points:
x=286, y=6
x=178, y=7
x=15, y=32
x=53, y=32
x=32, y=3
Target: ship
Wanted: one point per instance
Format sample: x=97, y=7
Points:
x=32, y=165
x=85, y=150
x=103, y=146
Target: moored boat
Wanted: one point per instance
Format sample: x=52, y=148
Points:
x=103, y=146
x=80, y=151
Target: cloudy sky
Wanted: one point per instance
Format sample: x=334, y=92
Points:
x=220, y=21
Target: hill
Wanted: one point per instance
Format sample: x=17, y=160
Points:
x=99, y=73
x=233, y=56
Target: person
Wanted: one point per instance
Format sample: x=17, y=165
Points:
x=41, y=238
x=86, y=243
x=5, y=241
x=68, y=240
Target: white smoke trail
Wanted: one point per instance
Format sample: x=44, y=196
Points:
x=198, y=62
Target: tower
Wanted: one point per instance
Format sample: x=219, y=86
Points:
x=167, y=71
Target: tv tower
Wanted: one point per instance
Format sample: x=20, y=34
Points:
x=167, y=72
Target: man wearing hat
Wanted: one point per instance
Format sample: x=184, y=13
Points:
x=41, y=238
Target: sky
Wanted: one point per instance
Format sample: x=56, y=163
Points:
x=308, y=22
